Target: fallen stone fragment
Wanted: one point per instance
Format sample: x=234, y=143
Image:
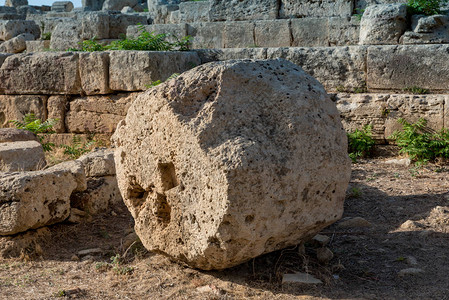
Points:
x=400, y=162
x=21, y=156
x=14, y=246
x=232, y=160
x=16, y=135
x=410, y=271
x=321, y=239
x=99, y=163
x=90, y=251
x=300, y=278
x=16, y=44
x=324, y=255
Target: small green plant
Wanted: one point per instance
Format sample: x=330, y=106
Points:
x=359, y=13
x=46, y=36
x=61, y=293
x=77, y=148
x=416, y=90
x=355, y=193
x=37, y=126
x=158, y=82
x=360, y=142
x=425, y=7
x=117, y=266
x=419, y=143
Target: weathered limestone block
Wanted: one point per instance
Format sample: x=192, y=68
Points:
x=14, y=16
x=62, y=6
x=60, y=139
x=95, y=25
x=133, y=70
x=94, y=73
x=117, y=5
x=174, y=32
x=99, y=163
x=56, y=108
x=16, y=44
x=238, y=34
x=272, y=33
x=309, y=32
x=66, y=35
x=232, y=160
x=241, y=10
x=382, y=111
x=127, y=10
x=193, y=11
x=101, y=193
x=76, y=168
x=30, y=200
x=427, y=30
x=363, y=4
x=208, y=55
x=8, y=135
x=15, y=107
x=3, y=56
x=21, y=156
x=13, y=28
x=118, y=23
x=99, y=114
x=45, y=73
x=92, y=5
x=383, y=24
x=27, y=10
x=343, y=31
x=315, y=8
x=14, y=246
x=15, y=3
x=334, y=67
x=206, y=35
x=37, y=46
x=7, y=10
x=399, y=67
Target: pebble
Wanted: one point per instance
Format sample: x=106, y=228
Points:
x=410, y=271
x=300, y=278
x=411, y=260
x=322, y=240
x=324, y=255
x=74, y=258
x=354, y=222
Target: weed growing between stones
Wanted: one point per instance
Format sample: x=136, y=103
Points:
x=420, y=143
x=78, y=148
x=425, y=7
x=37, y=126
x=157, y=82
x=416, y=90
x=360, y=143
x=145, y=41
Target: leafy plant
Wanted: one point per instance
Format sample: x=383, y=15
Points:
x=158, y=82
x=360, y=142
x=77, y=148
x=416, y=90
x=420, y=144
x=35, y=125
x=359, y=13
x=425, y=7
x=145, y=41
x=117, y=266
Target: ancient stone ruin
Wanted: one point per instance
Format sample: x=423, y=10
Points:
x=241, y=154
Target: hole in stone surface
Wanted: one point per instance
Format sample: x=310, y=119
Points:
x=168, y=176
x=249, y=219
x=136, y=194
x=161, y=209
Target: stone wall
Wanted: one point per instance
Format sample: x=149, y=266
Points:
x=91, y=92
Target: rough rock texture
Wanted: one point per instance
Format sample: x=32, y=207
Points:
x=62, y=6
x=239, y=10
x=383, y=24
x=16, y=3
x=118, y=4
x=99, y=163
x=94, y=73
x=21, y=156
x=14, y=246
x=37, y=46
x=8, y=135
x=16, y=44
x=315, y=8
x=56, y=108
x=29, y=200
x=12, y=28
x=66, y=35
x=97, y=113
x=232, y=160
x=427, y=30
x=15, y=107
x=45, y=73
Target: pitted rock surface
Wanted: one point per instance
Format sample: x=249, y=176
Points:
x=232, y=160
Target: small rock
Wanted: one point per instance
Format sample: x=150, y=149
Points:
x=410, y=271
x=74, y=258
x=90, y=251
x=411, y=260
x=321, y=239
x=300, y=278
x=207, y=289
x=87, y=259
x=354, y=222
x=400, y=162
x=76, y=215
x=409, y=224
x=324, y=255
x=114, y=214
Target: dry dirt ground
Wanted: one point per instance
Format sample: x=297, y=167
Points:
x=367, y=263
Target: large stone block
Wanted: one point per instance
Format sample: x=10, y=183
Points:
x=93, y=5
x=117, y=5
x=272, y=33
x=66, y=35
x=427, y=30
x=133, y=70
x=13, y=28
x=16, y=44
x=206, y=35
x=334, y=67
x=208, y=55
x=21, y=156
x=29, y=200
x=41, y=73
x=231, y=160
x=399, y=67
x=97, y=114
x=343, y=31
x=99, y=163
x=16, y=3
x=240, y=10
x=94, y=73
x=8, y=135
x=95, y=25
x=37, y=46
x=62, y=6
x=315, y=8
x=56, y=108
x=238, y=35
x=194, y=11
x=309, y=32
x=383, y=24
x=118, y=23
x=15, y=107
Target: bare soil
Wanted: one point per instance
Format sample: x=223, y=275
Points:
x=366, y=264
